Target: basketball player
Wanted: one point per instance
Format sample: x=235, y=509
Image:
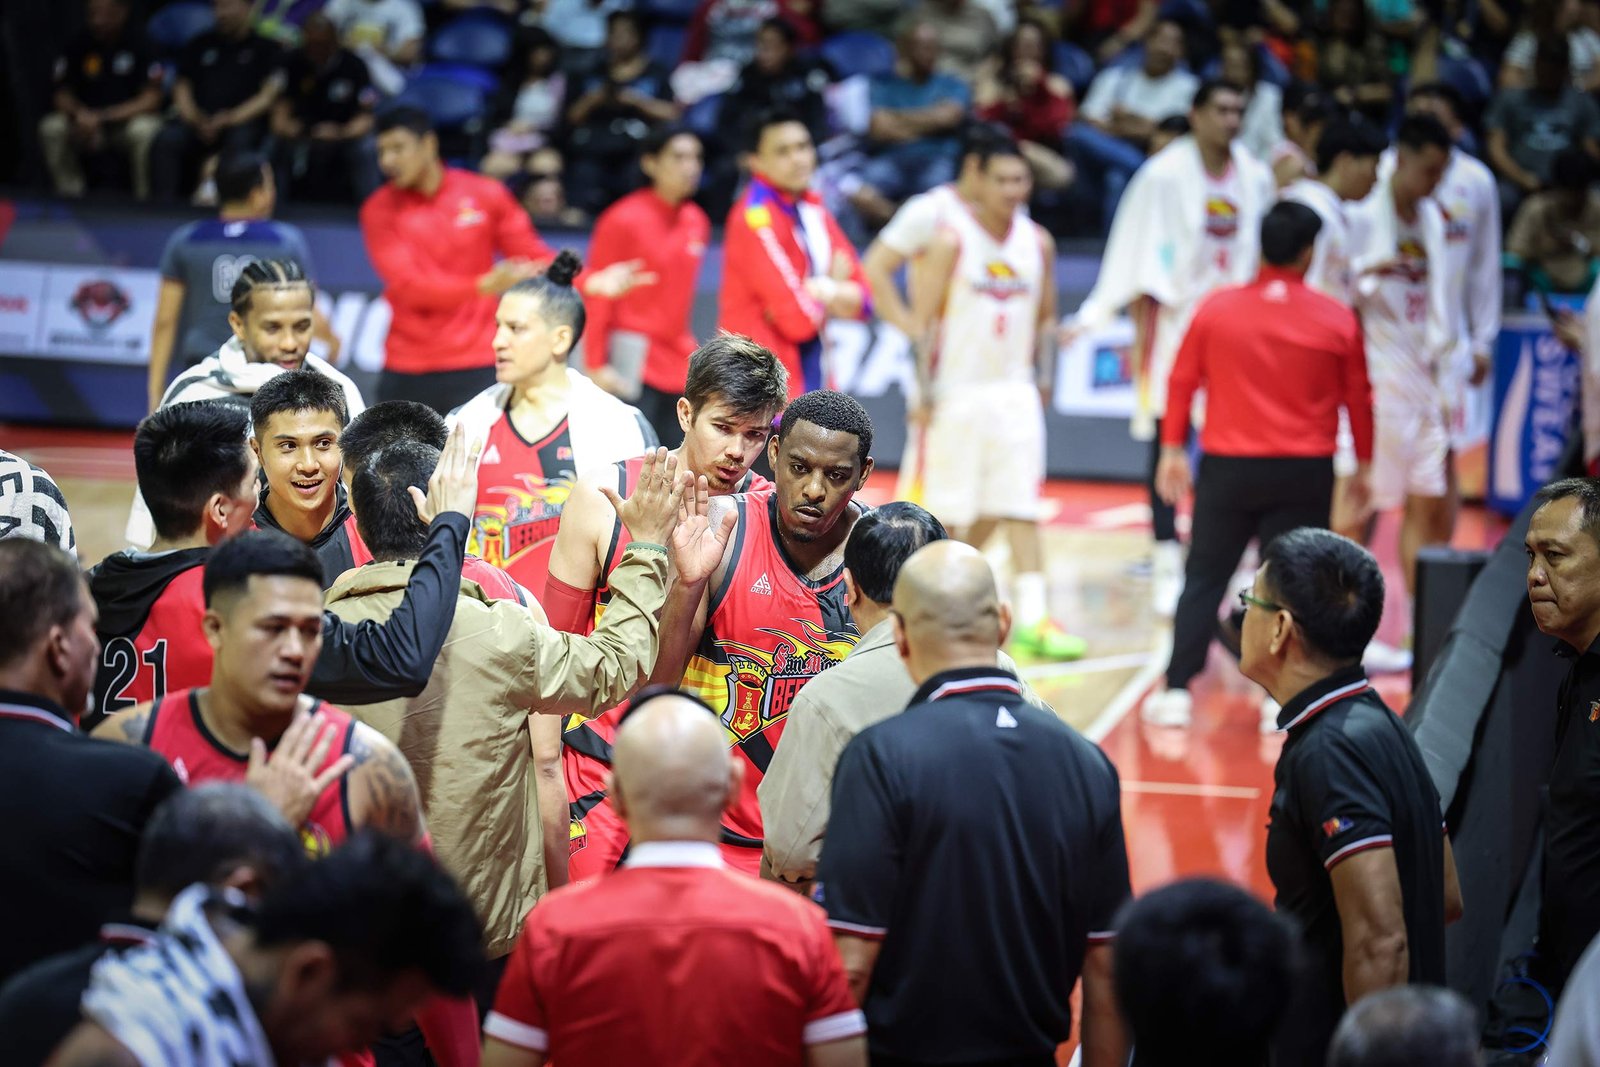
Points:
x=1347, y=169
x=199, y=482
x=1404, y=288
x=1186, y=226
x=541, y=422
x=272, y=317
x=392, y=422
x=983, y=311
x=295, y=420
x=733, y=390
x=263, y=620
x=773, y=612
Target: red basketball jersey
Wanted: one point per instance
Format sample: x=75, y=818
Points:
x=769, y=630
x=177, y=731
x=522, y=487
x=151, y=642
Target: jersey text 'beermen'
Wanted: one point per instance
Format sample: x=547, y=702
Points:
x=523, y=485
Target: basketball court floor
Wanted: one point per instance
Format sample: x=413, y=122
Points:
x=1194, y=801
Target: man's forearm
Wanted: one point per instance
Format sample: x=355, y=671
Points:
x=1104, y=1037
x=1374, y=962
x=366, y=662
x=679, y=635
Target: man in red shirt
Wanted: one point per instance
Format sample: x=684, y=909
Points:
x=673, y=959
x=665, y=230
x=787, y=266
x=432, y=233
x=1277, y=360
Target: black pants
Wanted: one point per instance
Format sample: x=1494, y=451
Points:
x=333, y=172
x=1234, y=500
x=443, y=390
x=660, y=410
x=177, y=152
x=1163, y=516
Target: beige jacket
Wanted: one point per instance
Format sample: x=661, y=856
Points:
x=867, y=686
x=466, y=735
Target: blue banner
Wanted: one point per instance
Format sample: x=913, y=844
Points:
x=1536, y=381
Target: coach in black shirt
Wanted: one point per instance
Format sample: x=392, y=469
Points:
x=974, y=862
x=1356, y=846
x=323, y=123
x=73, y=807
x=1563, y=545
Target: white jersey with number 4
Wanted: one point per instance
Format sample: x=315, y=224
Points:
x=990, y=323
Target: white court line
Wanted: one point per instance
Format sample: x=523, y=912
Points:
x=1191, y=789
x=1086, y=666
x=1132, y=691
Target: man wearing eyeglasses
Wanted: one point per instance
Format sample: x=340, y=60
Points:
x=1356, y=845
x=1278, y=360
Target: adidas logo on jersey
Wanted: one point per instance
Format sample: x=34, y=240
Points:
x=762, y=586
x=1005, y=720
x=491, y=455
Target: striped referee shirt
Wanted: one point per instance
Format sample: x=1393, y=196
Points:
x=31, y=504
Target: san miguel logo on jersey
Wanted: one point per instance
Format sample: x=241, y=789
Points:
x=1411, y=261
x=1222, y=217
x=314, y=839
x=762, y=683
x=528, y=515
x=467, y=214
x=1001, y=281
x=100, y=303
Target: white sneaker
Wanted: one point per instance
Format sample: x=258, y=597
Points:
x=1166, y=578
x=1269, y=715
x=1168, y=707
x=1380, y=658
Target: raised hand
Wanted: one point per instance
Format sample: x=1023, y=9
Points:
x=454, y=485
x=698, y=544
x=652, y=509
x=618, y=279
x=289, y=777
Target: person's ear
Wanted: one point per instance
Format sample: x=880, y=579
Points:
x=1005, y=622
x=772, y=453
x=214, y=516
x=309, y=973
x=561, y=341
x=1282, y=627
x=901, y=644
x=735, y=780
x=247, y=879
x=236, y=321
x=255, y=447
x=851, y=589
x=57, y=649
x=866, y=472
x=685, y=412
x=211, y=626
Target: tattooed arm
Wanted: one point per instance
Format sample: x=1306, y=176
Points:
x=383, y=791
x=129, y=727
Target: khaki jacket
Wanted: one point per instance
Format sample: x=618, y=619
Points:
x=867, y=686
x=466, y=735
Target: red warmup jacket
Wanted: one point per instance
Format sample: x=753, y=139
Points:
x=1277, y=360
x=765, y=264
x=671, y=240
x=430, y=252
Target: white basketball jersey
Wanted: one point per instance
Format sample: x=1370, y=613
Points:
x=1395, y=321
x=991, y=313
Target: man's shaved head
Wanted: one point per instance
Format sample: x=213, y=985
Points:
x=671, y=773
x=948, y=613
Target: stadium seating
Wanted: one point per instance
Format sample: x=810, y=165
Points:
x=855, y=53
x=177, y=24
x=475, y=39
x=1075, y=65
x=665, y=43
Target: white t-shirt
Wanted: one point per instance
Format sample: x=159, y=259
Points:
x=991, y=312
x=1132, y=90
x=1330, y=259
x=383, y=24
x=911, y=229
x=1583, y=43
x=1394, y=318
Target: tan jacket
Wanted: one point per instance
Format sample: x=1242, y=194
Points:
x=867, y=686
x=466, y=735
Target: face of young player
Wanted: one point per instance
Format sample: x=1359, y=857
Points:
x=816, y=471
x=265, y=641
x=312, y=1016
x=526, y=347
x=1355, y=176
x=1216, y=123
x=719, y=444
x=404, y=157
x=299, y=454
x=1007, y=184
x=675, y=170
x=276, y=327
x=1417, y=171
x=786, y=156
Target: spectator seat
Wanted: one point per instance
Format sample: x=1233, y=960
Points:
x=857, y=52
x=474, y=39
x=177, y=24
x=665, y=43
x=1075, y=65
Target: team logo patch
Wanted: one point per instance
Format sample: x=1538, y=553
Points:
x=1594, y=711
x=314, y=839
x=1411, y=261
x=758, y=217
x=1222, y=217
x=1336, y=826
x=100, y=303
x=577, y=838
x=527, y=515
x=761, y=585
x=763, y=683
x=467, y=214
x=1001, y=281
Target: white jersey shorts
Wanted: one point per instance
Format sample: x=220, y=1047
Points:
x=1410, y=454
x=983, y=454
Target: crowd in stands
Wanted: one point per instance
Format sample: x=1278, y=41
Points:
x=555, y=97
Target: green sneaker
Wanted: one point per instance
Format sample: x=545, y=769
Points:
x=1047, y=640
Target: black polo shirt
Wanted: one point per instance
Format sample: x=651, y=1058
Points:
x=337, y=92
x=39, y=1006
x=1570, y=916
x=981, y=839
x=102, y=74
x=73, y=808
x=224, y=72
x=1350, y=778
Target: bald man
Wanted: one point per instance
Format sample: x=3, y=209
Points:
x=973, y=803
x=628, y=969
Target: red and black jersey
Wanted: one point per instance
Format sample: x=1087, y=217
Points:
x=522, y=487
x=150, y=636
x=496, y=583
x=177, y=731
x=769, y=630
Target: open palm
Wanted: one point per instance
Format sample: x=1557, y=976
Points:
x=698, y=544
